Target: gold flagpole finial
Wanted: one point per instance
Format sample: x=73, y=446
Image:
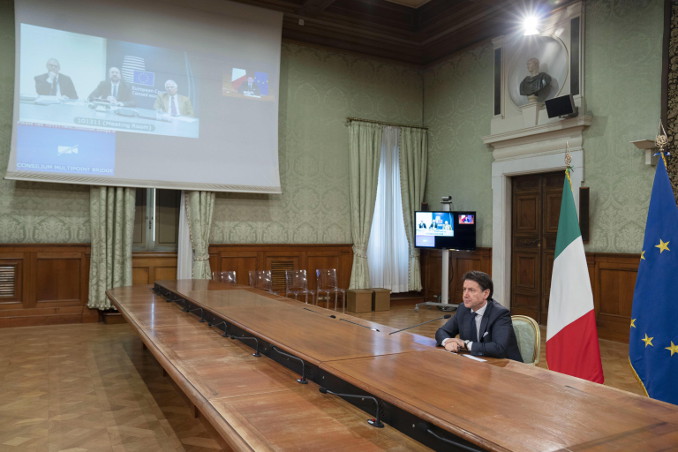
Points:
x=662, y=141
x=568, y=162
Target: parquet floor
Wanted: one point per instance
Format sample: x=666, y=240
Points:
x=92, y=387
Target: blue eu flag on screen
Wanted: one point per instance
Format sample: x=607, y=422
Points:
x=144, y=78
x=653, y=342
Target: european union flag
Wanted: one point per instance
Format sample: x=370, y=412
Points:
x=144, y=78
x=653, y=342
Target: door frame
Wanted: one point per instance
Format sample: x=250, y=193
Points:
x=502, y=171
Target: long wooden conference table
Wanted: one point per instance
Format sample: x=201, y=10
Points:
x=424, y=396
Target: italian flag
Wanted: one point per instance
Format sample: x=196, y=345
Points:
x=571, y=336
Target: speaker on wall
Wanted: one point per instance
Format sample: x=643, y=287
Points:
x=562, y=106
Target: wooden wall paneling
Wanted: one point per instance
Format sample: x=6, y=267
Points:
x=240, y=261
x=88, y=315
x=140, y=275
x=460, y=263
x=165, y=272
x=614, y=280
x=150, y=267
x=50, y=284
x=58, y=279
x=339, y=257
x=278, y=258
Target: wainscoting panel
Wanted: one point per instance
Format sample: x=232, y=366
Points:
x=150, y=267
x=279, y=258
x=460, y=263
x=614, y=279
x=44, y=284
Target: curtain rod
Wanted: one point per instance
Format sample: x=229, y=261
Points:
x=349, y=119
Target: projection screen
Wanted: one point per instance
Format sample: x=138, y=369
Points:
x=147, y=94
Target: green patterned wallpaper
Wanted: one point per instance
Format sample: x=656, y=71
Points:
x=321, y=87
x=623, y=57
x=33, y=212
x=623, y=89
x=319, y=90
x=458, y=110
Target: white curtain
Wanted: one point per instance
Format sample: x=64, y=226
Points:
x=387, y=249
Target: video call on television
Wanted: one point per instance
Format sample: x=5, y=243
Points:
x=445, y=230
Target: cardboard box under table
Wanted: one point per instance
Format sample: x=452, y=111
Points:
x=359, y=300
x=381, y=300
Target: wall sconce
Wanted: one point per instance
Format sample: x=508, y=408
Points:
x=650, y=148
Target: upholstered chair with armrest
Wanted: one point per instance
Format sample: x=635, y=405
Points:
x=528, y=336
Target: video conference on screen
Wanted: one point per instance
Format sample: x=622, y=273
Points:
x=442, y=229
x=125, y=93
x=144, y=72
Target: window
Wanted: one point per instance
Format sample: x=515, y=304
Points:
x=156, y=219
x=387, y=249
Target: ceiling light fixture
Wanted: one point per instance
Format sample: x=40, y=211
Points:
x=531, y=25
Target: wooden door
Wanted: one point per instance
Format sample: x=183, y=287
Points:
x=534, y=223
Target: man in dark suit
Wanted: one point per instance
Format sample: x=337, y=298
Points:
x=53, y=83
x=484, y=326
x=114, y=90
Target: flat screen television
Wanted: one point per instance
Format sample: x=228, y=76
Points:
x=445, y=230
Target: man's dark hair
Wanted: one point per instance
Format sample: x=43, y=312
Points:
x=483, y=280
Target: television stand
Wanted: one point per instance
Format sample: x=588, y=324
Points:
x=444, y=304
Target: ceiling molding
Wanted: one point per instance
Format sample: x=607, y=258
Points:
x=420, y=32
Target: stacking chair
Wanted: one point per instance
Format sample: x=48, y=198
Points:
x=261, y=279
x=296, y=285
x=327, y=287
x=227, y=277
x=528, y=336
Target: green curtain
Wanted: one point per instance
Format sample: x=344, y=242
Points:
x=413, y=166
x=199, y=209
x=112, y=224
x=364, y=158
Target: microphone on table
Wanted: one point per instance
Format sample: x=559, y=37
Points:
x=331, y=316
x=446, y=316
x=364, y=326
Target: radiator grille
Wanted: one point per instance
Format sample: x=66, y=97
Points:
x=7, y=280
x=278, y=274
